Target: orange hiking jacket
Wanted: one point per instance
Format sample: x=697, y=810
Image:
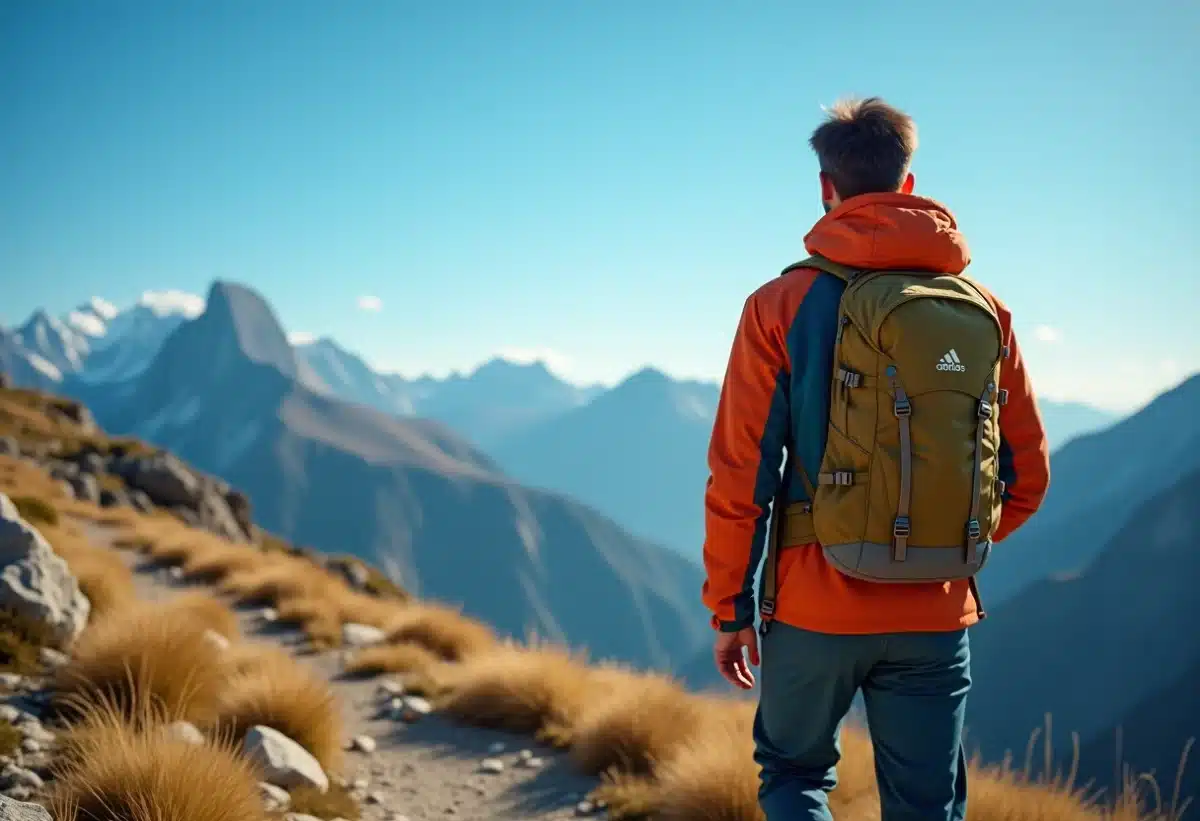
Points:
x=776, y=395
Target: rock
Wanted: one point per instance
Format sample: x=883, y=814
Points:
x=494, y=766
x=525, y=755
x=64, y=470
x=79, y=414
x=185, y=731
x=31, y=728
x=112, y=498
x=175, y=573
x=187, y=516
x=239, y=506
x=85, y=487
x=269, y=615
x=11, y=681
x=532, y=763
x=9, y=446
x=360, y=784
x=418, y=705
x=10, y=714
x=299, y=816
x=283, y=762
x=390, y=688
x=585, y=808
x=355, y=574
x=52, y=658
x=140, y=502
x=275, y=799
x=64, y=489
x=31, y=745
x=363, y=744
x=166, y=480
x=92, y=462
x=376, y=798
x=35, y=582
x=217, y=640
x=14, y=776
x=361, y=635
x=216, y=517
x=11, y=810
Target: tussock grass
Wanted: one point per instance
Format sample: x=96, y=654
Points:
x=21, y=639
x=515, y=688
x=116, y=771
x=142, y=657
x=279, y=692
x=336, y=802
x=219, y=561
x=35, y=510
x=393, y=658
x=251, y=656
x=10, y=738
x=102, y=576
x=444, y=631
x=279, y=579
x=204, y=611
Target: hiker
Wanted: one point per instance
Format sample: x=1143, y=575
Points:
x=914, y=444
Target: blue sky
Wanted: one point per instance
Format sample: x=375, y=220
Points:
x=601, y=182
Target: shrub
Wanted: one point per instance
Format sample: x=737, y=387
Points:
x=518, y=689
x=21, y=640
x=281, y=693
x=35, y=510
x=115, y=771
x=443, y=631
x=143, y=657
x=336, y=802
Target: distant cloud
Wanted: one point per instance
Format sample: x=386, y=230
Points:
x=370, y=303
x=1045, y=333
x=558, y=362
x=301, y=337
x=173, y=302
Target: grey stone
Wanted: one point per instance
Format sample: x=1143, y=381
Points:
x=165, y=479
x=184, y=731
x=361, y=635
x=282, y=761
x=35, y=582
x=274, y=798
x=299, y=816
x=140, y=501
x=493, y=766
x=14, y=776
x=9, y=446
x=12, y=810
x=363, y=744
x=52, y=658
x=92, y=462
x=85, y=487
x=113, y=498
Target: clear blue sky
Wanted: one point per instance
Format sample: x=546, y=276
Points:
x=605, y=181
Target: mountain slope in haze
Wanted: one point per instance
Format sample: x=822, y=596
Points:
x=224, y=393
x=495, y=400
x=1065, y=421
x=1117, y=643
x=637, y=453
x=1096, y=482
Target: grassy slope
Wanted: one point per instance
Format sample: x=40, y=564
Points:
x=662, y=751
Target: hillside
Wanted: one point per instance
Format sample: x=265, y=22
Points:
x=1112, y=644
x=230, y=706
x=1096, y=482
x=225, y=393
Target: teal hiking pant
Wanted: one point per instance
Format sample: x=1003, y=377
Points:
x=914, y=688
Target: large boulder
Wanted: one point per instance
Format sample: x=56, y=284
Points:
x=166, y=480
x=85, y=487
x=214, y=515
x=239, y=506
x=35, y=582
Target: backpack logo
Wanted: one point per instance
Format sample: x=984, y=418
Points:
x=950, y=362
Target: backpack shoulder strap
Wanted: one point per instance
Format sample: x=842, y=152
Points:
x=842, y=272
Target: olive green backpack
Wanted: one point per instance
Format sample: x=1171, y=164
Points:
x=908, y=489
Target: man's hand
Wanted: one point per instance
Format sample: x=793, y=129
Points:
x=731, y=661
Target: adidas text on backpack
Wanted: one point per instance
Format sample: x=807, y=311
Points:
x=908, y=489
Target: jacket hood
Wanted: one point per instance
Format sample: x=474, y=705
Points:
x=891, y=231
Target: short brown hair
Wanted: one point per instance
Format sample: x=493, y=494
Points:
x=865, y=146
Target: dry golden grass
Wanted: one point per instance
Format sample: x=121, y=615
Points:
x=103, y=577
x=280, y=578
x=393, y=658
x=250, y=656
x=143, y=656
x=21, y=478
x=442, y=630
x=336, y=802
x=205, y=611
x=279, y=692
x=113, y=771
x=514, y=688
x=213, y=565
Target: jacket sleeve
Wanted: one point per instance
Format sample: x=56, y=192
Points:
x=1024, y=449
x=744, y=459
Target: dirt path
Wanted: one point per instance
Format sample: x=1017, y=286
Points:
x=422, y=771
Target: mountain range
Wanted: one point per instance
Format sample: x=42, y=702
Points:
x=228, y=393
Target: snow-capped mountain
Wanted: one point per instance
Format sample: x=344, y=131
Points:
x=95, y=342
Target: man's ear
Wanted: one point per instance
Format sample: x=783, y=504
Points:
x=828, y=192
x=909, y=183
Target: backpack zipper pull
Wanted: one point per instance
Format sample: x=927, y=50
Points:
x=842, y=323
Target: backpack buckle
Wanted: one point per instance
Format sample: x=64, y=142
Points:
x=767, y=608
x=902, y=407
x=843, y=478
x=901, y=528
x=985, y=409
x=973, y=530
